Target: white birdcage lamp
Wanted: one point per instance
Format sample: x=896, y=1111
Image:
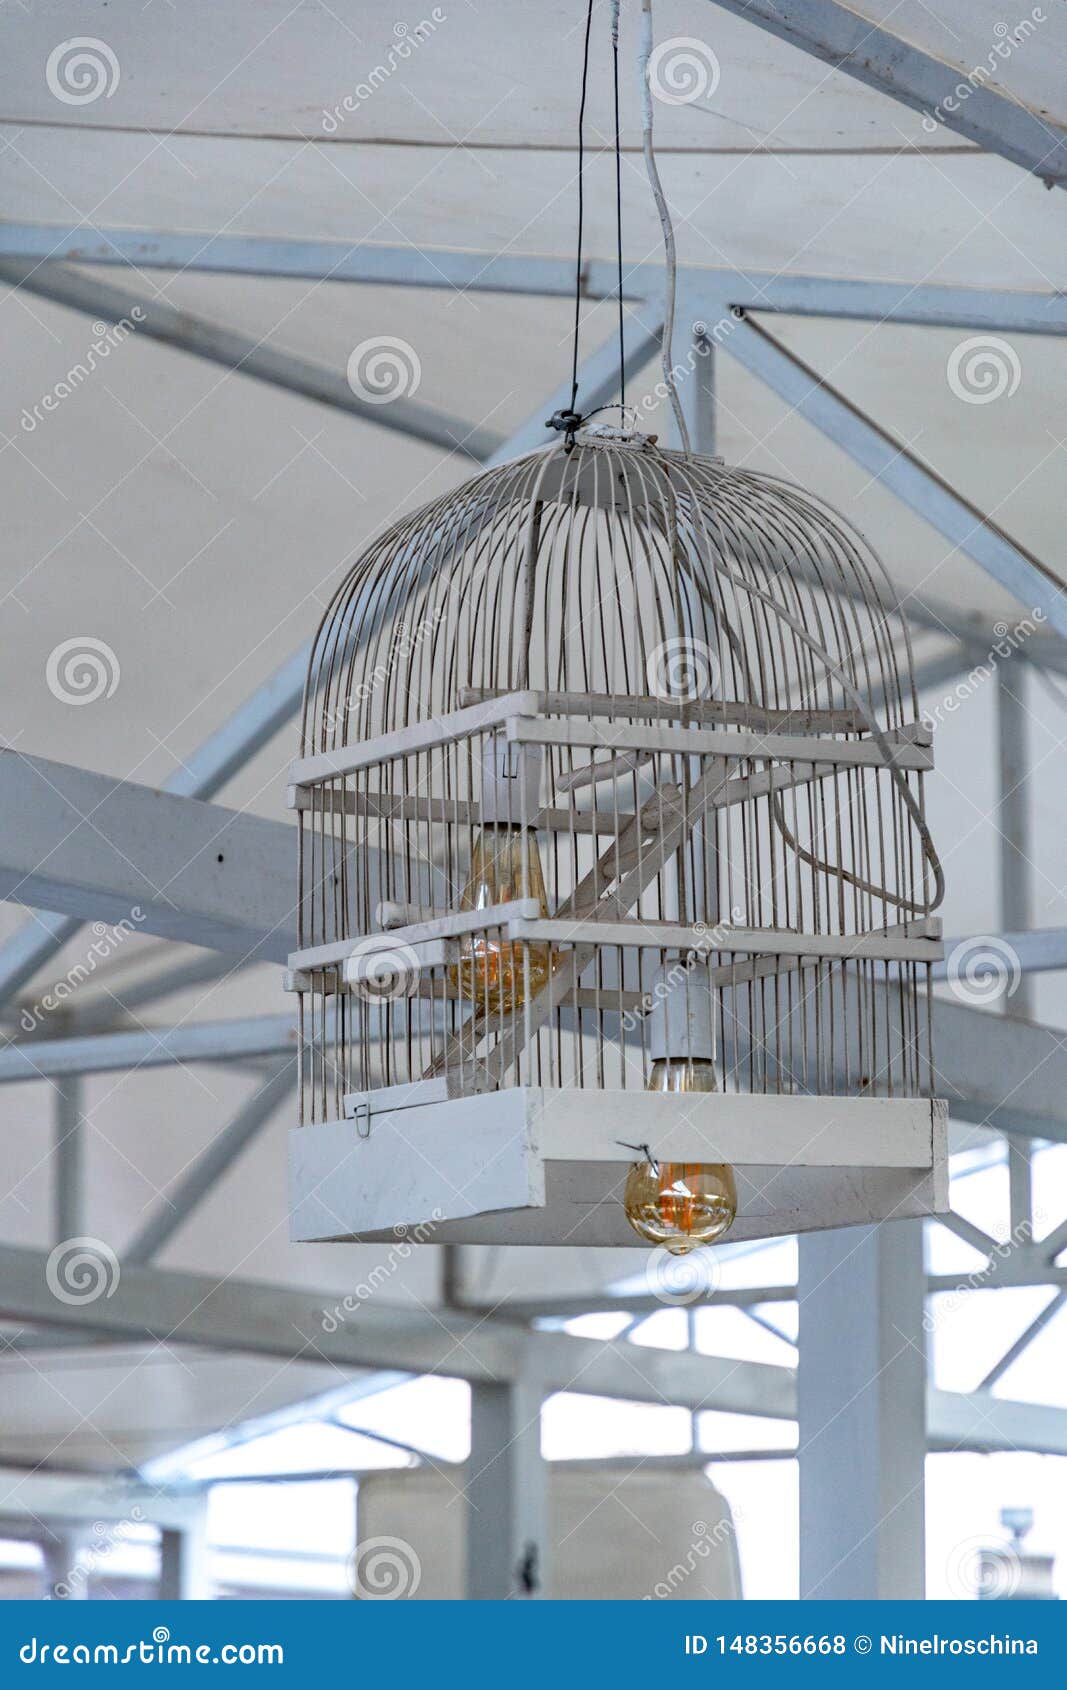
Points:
x=616, y=905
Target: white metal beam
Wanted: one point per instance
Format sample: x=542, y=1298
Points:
x=987, y=113
x=888, y=459
x=203, y=773
x=1040, y=950
x=1007, y=310
x=204, y=1174
x=999, y=1072
x=244, y=1317
x=108, y=1053
x=249, y=356
x=1024, y=1340
x=81, y=1499
x=979, y=1421
x=101, y=849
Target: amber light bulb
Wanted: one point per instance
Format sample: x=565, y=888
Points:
x=681, y=1205
x=493, y=972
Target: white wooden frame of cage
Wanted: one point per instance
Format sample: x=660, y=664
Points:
x=534, y=1165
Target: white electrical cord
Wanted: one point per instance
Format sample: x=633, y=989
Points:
x=666, y=225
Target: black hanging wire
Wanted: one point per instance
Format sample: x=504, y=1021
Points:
x=615, y=7
x=570, y=420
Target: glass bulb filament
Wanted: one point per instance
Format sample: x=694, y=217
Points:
x=681, y=1205
x=494, y=973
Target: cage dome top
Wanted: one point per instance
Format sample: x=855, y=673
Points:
x=613, y=566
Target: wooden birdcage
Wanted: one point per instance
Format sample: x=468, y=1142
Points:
x=612, y=758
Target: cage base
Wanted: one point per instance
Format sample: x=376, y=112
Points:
x=535, y=1166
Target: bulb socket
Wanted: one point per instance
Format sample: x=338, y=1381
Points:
x=682, y=1020
x=511, y=782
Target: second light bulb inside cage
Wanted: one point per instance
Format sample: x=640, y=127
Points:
x=496, y=975
x=681, y=1205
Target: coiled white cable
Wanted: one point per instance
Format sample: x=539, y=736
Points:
x=670, y=257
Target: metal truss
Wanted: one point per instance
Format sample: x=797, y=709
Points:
x=988, y=1057
x=988, y=114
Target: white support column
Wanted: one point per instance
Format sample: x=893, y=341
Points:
x=183, y=1562
x=68, y=1148
x=1013, y=819
x=506, y=1515
x=696, y=387
x=67, y=1563
x=1016, y=895
x=861, y=1388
